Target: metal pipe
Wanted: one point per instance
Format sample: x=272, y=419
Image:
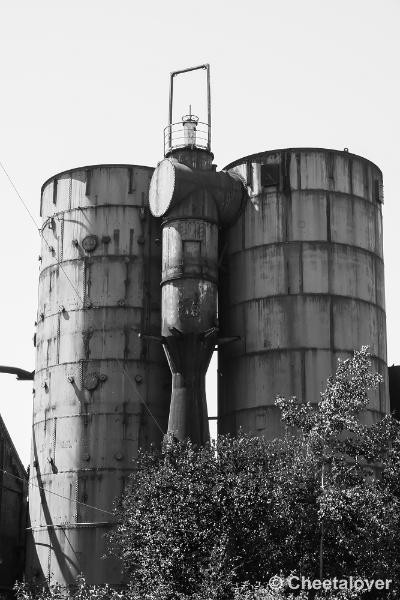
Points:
x=209, y=106
x=171, y=95
x=21, y=374
x=205, y=66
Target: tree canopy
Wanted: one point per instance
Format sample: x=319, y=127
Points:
x=218, y=522
x=322, y=502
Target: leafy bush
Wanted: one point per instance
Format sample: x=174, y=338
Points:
x=195, y=522
x=217, y=522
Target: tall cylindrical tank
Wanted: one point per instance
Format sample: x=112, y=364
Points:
x=302, y=283
x=100, y=390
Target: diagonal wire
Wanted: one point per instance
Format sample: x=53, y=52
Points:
x=78, y=295
x=36, y=225
x=19, y=196
x=61, y=267
x=72, y=500
x=140, y=397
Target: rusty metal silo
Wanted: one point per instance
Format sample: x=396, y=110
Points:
x=302, y=282
x=100, y=390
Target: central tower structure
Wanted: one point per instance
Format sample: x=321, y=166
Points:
x=194, y=202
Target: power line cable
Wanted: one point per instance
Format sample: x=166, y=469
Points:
x=36, y=225
x=19, y=196
x=140, y=397
x=79, y=297
x=72, y=500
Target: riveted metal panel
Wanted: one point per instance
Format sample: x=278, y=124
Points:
x=302, y=283
x=95, y=379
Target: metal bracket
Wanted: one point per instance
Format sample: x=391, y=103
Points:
x=227, y=340
x=152, y=338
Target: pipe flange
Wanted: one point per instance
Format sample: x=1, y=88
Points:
x=89, y=243
x=91, y=381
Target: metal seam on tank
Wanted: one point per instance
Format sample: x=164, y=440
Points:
x=95, y=207
x=58, y=337
x=272, y=407
x=97, y=469
x=92, y=361
x=331, y=307
x=269, y=193
x=110, y=307
x=144, y=350
x=84, y=275
x=99, y=167
x=94, y=259
x=145, y=292
x=62, y=526
x=319, y=242
x=49, y=565
x=79, y=415
x=54, y=437
x=308, y=295
x=376, y=232
x=70, y=192
x=77, y=498
x=61, y=253
x=304, y=150
x=297, y=349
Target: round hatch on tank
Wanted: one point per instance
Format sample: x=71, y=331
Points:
x=162, y=188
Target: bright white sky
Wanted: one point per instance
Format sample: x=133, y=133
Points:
x=86, y=82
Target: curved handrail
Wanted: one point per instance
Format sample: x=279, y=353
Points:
x=175, y=138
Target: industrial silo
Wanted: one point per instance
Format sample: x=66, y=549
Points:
x=101, y=391
x=302, y=283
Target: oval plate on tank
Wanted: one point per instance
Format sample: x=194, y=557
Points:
x=162, y=188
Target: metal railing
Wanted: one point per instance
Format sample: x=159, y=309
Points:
x=176, y=136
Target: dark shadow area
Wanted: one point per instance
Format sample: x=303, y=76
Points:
x=67, y=567
x=394, y=390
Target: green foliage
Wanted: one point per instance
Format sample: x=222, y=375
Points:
x=358, y=503
x=246, y=591
x=216, y=522
x=84, y=591
x=79, y=591
x=195, y=522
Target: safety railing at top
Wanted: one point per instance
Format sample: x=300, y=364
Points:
x=177, y=135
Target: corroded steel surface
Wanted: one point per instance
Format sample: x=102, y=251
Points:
x=302, y=283
x=95, y=379
x=13, y=505
x=194, y=202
